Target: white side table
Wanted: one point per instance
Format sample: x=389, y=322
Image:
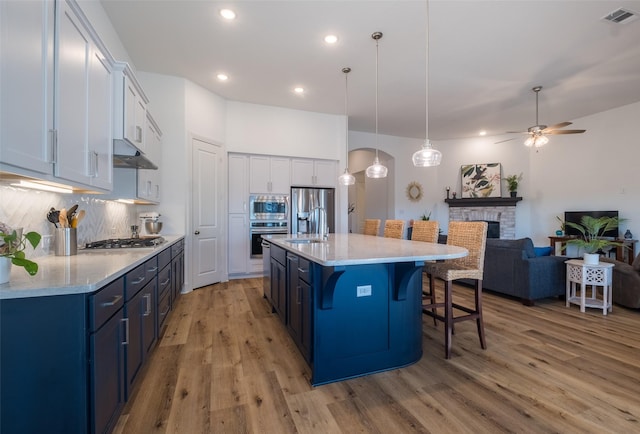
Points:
x=579, y=273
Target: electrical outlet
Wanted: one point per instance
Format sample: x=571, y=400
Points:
x=363, y=291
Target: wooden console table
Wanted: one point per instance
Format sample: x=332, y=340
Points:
x=625, y=253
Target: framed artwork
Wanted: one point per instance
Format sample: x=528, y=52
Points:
x=481, y=180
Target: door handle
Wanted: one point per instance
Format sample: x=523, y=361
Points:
x=197, y=232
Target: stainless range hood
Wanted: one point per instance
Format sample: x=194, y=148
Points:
x=128, y=156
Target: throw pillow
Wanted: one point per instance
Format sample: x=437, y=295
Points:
x=543, y=251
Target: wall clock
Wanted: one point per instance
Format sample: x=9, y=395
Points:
x=414, y=191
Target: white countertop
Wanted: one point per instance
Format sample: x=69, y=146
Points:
x=88, y=271
x=357, y=249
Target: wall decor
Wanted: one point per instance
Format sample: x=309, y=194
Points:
x=414, y=191
x=481, y=180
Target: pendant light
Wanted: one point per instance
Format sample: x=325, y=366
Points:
x=427, y=156
x=376, y=170
x=346, y=178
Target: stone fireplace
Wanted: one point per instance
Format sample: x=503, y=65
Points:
x=500, y=212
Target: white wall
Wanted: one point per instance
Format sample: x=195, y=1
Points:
x=596, y=170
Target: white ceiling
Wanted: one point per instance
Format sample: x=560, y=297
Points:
x=484, y=58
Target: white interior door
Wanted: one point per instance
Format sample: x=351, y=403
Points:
x=207, y=213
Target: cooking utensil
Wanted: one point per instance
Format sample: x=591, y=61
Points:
x=53, y=216
x=71, y=212
x=153, y=227
x=62, y=218
x=76, y=219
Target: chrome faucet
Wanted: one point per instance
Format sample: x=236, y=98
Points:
x=322, y=229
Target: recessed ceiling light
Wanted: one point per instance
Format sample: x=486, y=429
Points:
x=331, y=39
x=222, y=77
x=483, y=133
x=298, y=90
x=227, y=14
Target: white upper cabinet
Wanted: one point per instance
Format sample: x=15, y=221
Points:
x=149, y=180
x=56, y=101
x=26, y=85
x=130, y=104
x=321, y=173
x=238, y=184
x=269, y=174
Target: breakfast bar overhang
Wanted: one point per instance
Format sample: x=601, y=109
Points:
x=365, y=312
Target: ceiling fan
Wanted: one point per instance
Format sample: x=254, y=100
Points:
x=538, y=133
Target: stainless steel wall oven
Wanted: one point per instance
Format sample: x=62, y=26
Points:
x=259, y=228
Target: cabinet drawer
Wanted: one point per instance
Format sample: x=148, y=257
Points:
x=278, y=253
x=104, y=303
x=304, y=270
x=151, y=268
x=163, y=309
x=134, y=281
x=177, y=248
x=164, y=280
x=164, y=257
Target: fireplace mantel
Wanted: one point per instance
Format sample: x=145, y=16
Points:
x=483, y=201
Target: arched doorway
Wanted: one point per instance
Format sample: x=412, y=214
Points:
x=370, y=198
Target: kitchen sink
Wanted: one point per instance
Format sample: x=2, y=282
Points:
x=305, y=241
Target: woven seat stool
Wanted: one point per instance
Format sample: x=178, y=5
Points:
x=371, y=227
x=473, y=237
x=426, y=231
x=393, y=229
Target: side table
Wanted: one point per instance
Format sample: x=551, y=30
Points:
x=579, y=273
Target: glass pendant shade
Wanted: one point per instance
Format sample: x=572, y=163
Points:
x=376, y=170
x=346, y=178
x=427, y=156
x=536, y=141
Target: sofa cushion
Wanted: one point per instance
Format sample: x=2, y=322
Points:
x=636, y=263
x=524, y=244
x=542, y=251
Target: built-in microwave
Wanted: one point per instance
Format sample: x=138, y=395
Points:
x=269, y=207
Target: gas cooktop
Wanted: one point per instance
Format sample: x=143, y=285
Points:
x=125, y=243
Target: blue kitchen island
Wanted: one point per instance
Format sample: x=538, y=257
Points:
x=352, y=303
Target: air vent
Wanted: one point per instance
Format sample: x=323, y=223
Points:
x=621, y=16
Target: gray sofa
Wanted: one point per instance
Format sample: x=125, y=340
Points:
x=511, y=267
x=626, y=282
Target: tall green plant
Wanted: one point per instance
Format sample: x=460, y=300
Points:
x=592, y=230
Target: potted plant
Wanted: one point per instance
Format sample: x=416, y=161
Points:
x=562, y=226
x=591, y=238
x=12, y=246
x=512, y=184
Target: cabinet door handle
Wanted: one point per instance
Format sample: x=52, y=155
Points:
x=139, y=280
x=153, y=269
x=95, y=164
x=147, y=311
x=126, y=331
x=138, y=134
x=54, y=146
x=166, y=282
x=112, y=302
x=299, y=295
x=157, y=191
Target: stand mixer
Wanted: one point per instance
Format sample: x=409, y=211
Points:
x=150, y=224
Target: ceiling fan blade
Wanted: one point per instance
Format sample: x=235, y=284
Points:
x=566, y=132
x=517, y=132
x=556, y=126
x=506, y=140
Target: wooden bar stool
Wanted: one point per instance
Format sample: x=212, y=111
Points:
x=393, y=229
x=472, y=236
x=371, y=226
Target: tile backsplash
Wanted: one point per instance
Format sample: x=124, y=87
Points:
x=28, y=209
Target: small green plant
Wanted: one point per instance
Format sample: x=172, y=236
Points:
x=12, y=246
x=513, y=181
x=562, y=224
x=426, y=216
x=591, y=233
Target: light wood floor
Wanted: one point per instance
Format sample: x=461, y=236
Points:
x=227, y=365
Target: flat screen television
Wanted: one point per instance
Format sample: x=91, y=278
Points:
x=576, y=216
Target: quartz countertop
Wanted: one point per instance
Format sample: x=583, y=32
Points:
x=357, y=249
x=86, y=272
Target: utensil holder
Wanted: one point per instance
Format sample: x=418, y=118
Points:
x=66, y=242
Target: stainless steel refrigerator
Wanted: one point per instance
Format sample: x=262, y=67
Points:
x=307, y=205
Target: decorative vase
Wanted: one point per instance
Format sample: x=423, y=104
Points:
x=513, y=193
x=5, y=270
x=591, y=258
x=628, y=235
x=559, y=233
